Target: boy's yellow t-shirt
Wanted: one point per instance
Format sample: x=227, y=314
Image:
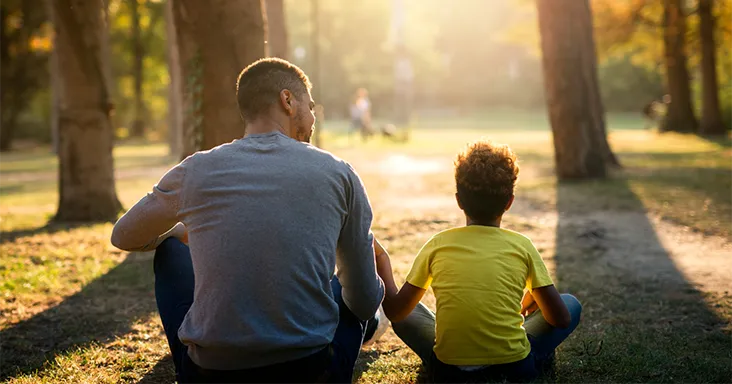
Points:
x=478, y=274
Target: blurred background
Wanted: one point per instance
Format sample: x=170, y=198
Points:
x=460, y=59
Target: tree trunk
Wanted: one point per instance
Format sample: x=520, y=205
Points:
x=138, y=54
x=7, y=130
x=276, y=28
x=54, y=89
x=86, y=167
x=680, y=114
x=216, y=40
x=570, y=80
x=175, y=90
x=711, y=119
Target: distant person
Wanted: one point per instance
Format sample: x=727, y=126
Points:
x=655, y=111
x=360, y=110
x=268, y=218
x=649, y=115
x=499, y=316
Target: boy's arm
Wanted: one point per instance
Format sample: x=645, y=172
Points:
x=552, y=306
x=398, y=303
x=542, y=290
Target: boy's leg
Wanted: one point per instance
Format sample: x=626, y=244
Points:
x=543, y=337
x=347, y=340
x=173, y=292
x=417, y=331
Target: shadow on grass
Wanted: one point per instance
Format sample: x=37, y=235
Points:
x=50, y=228
x=11, y=189
x=721, y=140
x=365, y=359
x=653, y=324
x=162, y=372
x=104, y=309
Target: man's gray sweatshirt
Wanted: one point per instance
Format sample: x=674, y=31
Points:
x=269, y=219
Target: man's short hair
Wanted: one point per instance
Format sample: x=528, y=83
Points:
x=259, y=85
x=485, y=174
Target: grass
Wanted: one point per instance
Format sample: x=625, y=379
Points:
x=646, y=250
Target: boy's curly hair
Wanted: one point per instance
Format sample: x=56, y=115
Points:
x=485, y=175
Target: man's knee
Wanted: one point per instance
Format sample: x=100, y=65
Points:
x=166, y=251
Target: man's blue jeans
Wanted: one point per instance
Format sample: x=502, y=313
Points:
x=174, y=284
x=418, y=332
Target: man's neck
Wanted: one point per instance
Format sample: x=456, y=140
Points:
x=266, y=124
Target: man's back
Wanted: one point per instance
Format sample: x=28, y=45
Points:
x=265, y=215
x=268, y=219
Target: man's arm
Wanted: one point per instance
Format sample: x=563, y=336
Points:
x=398, y=303
x=363, y=290
x=154, y=217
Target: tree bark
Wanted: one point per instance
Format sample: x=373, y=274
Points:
x=711, y=119
x=575, y=109
x=55, y=100
x=86, y=166
x=680, y=114
x=7, y=130
x=138, y=54
x=276, y=29
x=175, y=89
x=216, y=40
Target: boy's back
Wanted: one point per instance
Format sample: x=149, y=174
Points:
x=478, y=274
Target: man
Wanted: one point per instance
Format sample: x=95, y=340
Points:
x=268, y=218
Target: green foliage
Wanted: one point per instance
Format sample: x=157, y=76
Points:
x=633, y=29
x=481, y=54
x=156, y=79
x=628, y=87
x=24, y=47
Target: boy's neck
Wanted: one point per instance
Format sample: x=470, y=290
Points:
x=492, y=223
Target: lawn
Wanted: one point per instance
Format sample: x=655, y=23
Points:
x=647, y=251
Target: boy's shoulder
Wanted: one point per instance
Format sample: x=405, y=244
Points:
x=460, y=234
x=515, y=234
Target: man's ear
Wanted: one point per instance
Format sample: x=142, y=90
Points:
x=510, y=202
x=286, y=98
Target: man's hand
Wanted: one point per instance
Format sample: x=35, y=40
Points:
x=179, y=232
x=398, y=303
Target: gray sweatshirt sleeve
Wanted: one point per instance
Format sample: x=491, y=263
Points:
x=152, y=216
x=363, y=290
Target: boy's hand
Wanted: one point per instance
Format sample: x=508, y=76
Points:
x=528, y=304
x=526, y=311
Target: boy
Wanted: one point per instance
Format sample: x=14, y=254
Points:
x=478, y=273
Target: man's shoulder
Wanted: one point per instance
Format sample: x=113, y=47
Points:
x=321, y=157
